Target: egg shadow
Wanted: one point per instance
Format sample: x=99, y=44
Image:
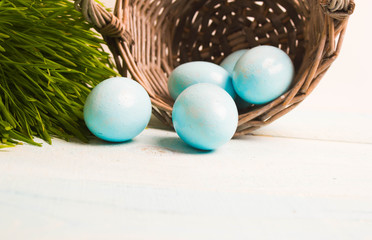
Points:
x=100, y=142
x=175, y=144
x=95, y=141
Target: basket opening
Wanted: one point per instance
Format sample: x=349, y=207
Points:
x=209, y=30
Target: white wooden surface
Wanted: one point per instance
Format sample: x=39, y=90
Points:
x=306, y=176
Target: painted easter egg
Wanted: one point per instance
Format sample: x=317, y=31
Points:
x=262, y=74
x=191, y=73
x=205, y=116
x=229, y=62
x=117, y=109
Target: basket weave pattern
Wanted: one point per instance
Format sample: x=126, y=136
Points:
x=149, y=38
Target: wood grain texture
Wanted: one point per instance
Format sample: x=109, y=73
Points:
x=156, y=187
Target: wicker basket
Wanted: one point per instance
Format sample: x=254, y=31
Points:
x=149, y=38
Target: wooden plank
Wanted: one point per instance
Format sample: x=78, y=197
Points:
x=322, y=124
x=156, y=187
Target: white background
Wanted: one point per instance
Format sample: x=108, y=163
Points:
x=306, y=176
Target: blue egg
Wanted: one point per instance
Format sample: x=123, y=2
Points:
x=192, y=73
x=117, y=109
x=229, y=62
x=262, y=74
x=205, y=116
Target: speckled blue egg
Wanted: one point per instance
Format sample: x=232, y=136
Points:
x=262, y=74
x=191, y=73
x=229, y=62
x=117, y=109
x=205, y=116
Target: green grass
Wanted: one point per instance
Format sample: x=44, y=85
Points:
x=49, y=60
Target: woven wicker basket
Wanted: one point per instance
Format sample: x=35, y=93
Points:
x=149, y=38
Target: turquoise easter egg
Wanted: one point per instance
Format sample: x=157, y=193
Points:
x=117, y=109
x=229, y=62
x=191, y=73
x=262, y=74
x=205, y=116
